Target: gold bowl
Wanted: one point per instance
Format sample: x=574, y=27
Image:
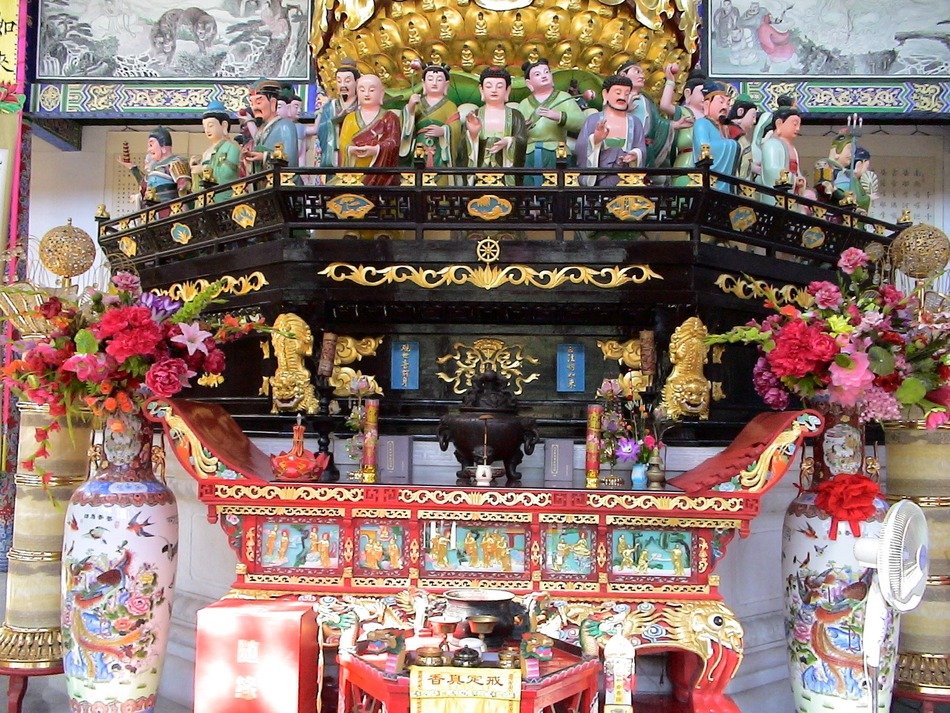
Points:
x=482, y=624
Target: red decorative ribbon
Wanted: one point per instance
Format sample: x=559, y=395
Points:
x=848, y=497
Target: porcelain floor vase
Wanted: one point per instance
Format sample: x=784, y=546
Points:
x=119, y=557
x=825, y=599
x=917, y=469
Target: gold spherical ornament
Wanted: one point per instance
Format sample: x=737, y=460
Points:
x=920, y=251
x=67, y=251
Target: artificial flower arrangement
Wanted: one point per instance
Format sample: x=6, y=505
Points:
x=107, y=352
x=861, y=345
x=625, y=434
x=359, y=388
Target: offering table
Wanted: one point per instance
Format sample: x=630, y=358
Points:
x=567, y=680
x=587, y=563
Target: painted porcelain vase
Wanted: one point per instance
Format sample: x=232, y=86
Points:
x=119, y=558
x=825, y=587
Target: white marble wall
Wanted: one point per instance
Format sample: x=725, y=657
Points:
x=751, y=579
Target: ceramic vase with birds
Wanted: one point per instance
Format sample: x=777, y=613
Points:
x=119, y=557
x=826, y=588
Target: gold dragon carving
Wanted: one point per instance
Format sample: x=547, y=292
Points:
x=687, y=390
x=290, y=386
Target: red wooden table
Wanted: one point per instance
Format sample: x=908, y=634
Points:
x=568, y=680
x=19, y=678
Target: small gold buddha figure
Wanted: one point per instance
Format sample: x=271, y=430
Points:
x=462, y=3
x=498, y=57
x=534, y=55
x=553, y=33
x=587, y=34
x=396, y=11
x=385, y=40
x=428, y=5
x=467, y=58
x=435, y=57
x=619, y=38
x=481, y=25
x=517, y=27
x=406, y=60
x=362, y=49
x=567, y=59
x=574, y=6
x=413, y=35
x=445, y=29
x=595, y=62
x=638, y=43
x=382, y=73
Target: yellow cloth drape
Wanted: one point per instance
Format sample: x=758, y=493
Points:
x=448, y=689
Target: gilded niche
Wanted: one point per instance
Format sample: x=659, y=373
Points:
x=687, y=390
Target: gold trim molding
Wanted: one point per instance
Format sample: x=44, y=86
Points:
x=237, y=286
x=668, y=522
x=923, y=673
x=746, y=288
x=489, y=277
x=664, y=502
x=475, y=499
x=289, y=493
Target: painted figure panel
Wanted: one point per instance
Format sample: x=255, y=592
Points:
x=300, y=545
x=380, y=547
x=455, y=547
x=654, y=553
x=777, y=38
x=197, y=40
x=568, y=550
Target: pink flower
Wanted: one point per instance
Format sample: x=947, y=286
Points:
x=138, y=605
x=892, y=296
x=649, y=441
x=123, y=624
x=192, y=337
x=852, y=259
x=89, y=367
x=826, y=294
x=127, y=282
x=167, y=377
x=935, y=419
x=849, y=384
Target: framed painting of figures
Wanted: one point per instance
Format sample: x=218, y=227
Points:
x=191, y=40
x=848, y=40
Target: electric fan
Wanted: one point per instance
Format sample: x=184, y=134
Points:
x=899, y=558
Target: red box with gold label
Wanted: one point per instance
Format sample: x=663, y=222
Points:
x=256, y=657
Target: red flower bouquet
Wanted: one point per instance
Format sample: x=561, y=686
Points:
x=109, y=351
x=858, y=344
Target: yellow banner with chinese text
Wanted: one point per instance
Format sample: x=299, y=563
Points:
x=9, y=40
x=449, y=689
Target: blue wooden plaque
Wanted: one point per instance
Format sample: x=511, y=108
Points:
x=405, y=366
x=570, y=368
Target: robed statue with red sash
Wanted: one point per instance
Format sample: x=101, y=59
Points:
x=369, y=136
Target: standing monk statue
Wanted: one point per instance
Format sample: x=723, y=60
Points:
x=550, y=114
x=369, y=136
x=431, y=120
x=711, y=130
x=657, y=127
x=273, y=130
x=167, y=176
x=332, y=114
x=612, y=138
x=221, y=161
x=779, y=153
x=495, y=134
